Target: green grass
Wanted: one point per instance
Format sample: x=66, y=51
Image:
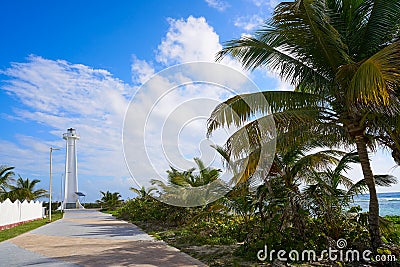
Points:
x=23, y=228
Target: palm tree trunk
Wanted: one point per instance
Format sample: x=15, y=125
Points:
x=373, y=218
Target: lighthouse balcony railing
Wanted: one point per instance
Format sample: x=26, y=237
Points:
x=66, y=135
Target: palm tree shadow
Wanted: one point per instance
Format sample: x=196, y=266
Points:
x=146, y=253
x=116, y=230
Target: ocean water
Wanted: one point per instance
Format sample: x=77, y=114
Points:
x=389, y=203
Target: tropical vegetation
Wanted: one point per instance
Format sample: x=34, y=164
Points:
x=192, y=187
x=6, y=176
x=306, y=203
x=110, y=200
x=20, y=189
x=24, y=189
x=343, y=59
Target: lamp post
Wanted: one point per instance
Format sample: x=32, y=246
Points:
x=61, y=193
x=51, y=178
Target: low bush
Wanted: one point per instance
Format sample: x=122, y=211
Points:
x=149, y=210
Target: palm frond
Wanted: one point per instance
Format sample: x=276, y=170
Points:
x=378, y=27
x=254, y=53
x=6, y=171
x=306, y=27
x=385, y=180
x=241, y=108
x=319, y=160
x=293, y=128
x=376, y=78
x=344, y=162
x=380, y=180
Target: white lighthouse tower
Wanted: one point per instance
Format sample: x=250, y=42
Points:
x=71, y=198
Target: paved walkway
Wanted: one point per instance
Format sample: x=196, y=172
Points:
x=90, y=238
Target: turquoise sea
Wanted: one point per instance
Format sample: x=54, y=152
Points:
x=389, y=203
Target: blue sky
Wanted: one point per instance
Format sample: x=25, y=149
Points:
x=78, y=63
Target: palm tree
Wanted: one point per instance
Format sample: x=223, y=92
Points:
x=187, y=178
x=25, y=190
x=298, y=164
x=191, y=188
x=343, y=58
x=110, y=201
x=142, y=192
x=289, y=170
x=330, y=191
x=6, y=176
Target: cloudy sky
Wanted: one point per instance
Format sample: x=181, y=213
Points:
x=81, y=63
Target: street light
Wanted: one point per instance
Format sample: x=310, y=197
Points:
x=51, y=178
x=61, y=192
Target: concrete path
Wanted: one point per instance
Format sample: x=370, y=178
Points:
x=90, y=238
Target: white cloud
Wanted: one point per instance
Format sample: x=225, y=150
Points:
x=174, y=118
x=249, y=23
x=253, y=20
x=141, y=70
x=267, y=3
x=280, y=85
x=217, y=4
x=188, y=40
x=171, y=123
x=55, y=87
x=60, y=95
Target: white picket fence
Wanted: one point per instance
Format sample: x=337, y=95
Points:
x=14, y=213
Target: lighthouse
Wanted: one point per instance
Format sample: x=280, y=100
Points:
x=71, y=197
